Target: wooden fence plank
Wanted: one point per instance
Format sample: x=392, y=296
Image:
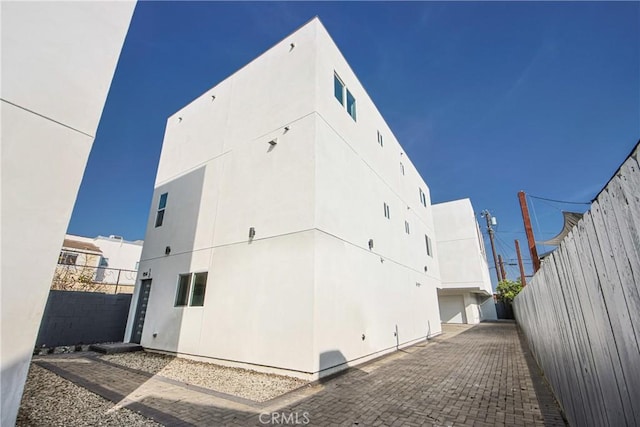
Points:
x=581, y=312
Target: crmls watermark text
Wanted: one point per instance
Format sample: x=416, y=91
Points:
x=284, y=418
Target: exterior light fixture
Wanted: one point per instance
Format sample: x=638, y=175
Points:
x=213, y=97
x=286, y=129
x=363, y=337
x=273, y=142
x=167, y=250
x=252, y=232
x=425, y=268
x=370, y=244
x=291, y=46
x=381, y=259
x=179, y=119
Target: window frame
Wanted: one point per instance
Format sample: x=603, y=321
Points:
x=427, y=240
x=162, y=205
x=351, y=109
x=387, y=211
x=380, y=139
x=179, y=295
x=193, y=288
x=423, y=197
x=337, y=79
x=402, y=168
x=186, y=298
x=63, y=258
x=406, y=227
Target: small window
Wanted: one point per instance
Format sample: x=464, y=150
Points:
x=163, y=201
x=68, y=258
x=427, y=240
x=380, y=139
x=199, y=286
x=401, y=168
x=184, y=282
x=406, y=227
x=423, y=198
x=338, y=89
x=351, y=105
x=386, y=211
x=161, y=205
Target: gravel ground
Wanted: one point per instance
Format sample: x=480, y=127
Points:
x=50, y=400
x=244, y=383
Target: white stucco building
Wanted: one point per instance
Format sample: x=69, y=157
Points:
x=465, y=295
x=289, y=232
x=110, y=260
x=58, y=59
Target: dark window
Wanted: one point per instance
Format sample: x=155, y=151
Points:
x=351, y=105
x=406, y=227
x=163, y=201
x=338, y=89
x=423, y=198
x=161, y=205
x=428, y=243
x=68, y=258
x=159, y=218
x=182, y=296
x=199, y=286
x=387, y=213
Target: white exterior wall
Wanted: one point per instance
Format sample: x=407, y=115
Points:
x=57, y=63
x=121, y=254
x=301, y=294
x=463, y=263
x=460, y=242
x=361, y=291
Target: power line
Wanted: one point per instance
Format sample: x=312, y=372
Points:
x=559, y=201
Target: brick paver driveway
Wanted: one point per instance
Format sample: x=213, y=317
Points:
x=481, y=377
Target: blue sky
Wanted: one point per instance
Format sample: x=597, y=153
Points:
x=487, y=98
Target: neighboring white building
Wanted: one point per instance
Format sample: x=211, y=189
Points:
x=466, y=295
x=111, y=260
x=58, y=59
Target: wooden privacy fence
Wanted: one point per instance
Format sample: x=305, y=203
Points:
x=581, y=312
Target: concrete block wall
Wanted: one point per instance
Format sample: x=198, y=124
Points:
x=73, y=318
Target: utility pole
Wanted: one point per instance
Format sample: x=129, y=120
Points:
x=529, y=231
x=502, y=271
x=523, y=280
x=490, y=221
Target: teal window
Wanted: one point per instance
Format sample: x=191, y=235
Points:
x=351, y=105
x=163, y=201
x=161, y=207
x=338, y=89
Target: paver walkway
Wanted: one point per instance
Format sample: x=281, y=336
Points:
x=484, y=376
